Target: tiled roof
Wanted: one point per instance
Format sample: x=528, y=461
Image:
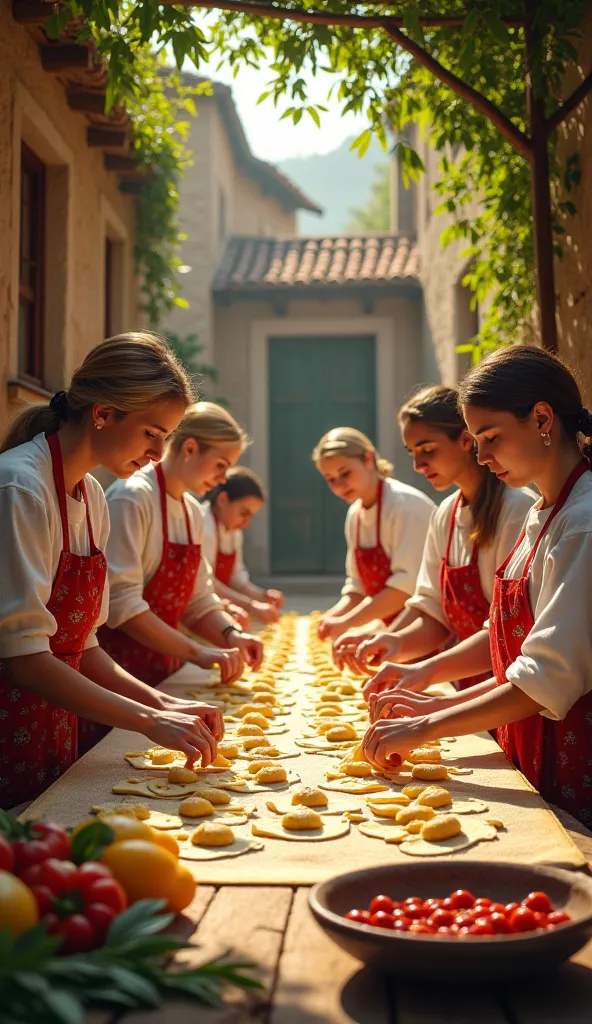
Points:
x=262, y=264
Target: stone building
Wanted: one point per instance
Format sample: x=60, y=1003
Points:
x=66, y=215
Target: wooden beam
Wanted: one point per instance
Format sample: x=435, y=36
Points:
x=87, y=101
x=109, y=137
x=572, y=103
x=32, y=12
x=65, y=57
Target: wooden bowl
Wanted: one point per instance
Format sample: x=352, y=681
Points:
x=482, y=959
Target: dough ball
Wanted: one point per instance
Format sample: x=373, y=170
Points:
x=435, y=796
x=228, y=750
x=327, y=711
x=302, y=820
x=358, y=769
x=254, y=718
x=252, y=742
x=162, y=756
x=220, y=762
x=340, y=733
x=413, y=790
x=445, y=826
x=424, y=755
x=264, y=698
x=211, y=833
x=414, y=813
x=265, y=751
x=179, y=776
x=256, y=766
x=347, y=689
x=276, y=773
x=429, y=772
x=215, y=796
x=249, y=730
x=196, y=807
x=308, y=796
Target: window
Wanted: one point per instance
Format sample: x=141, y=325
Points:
x=109, y=331
x=32, y=266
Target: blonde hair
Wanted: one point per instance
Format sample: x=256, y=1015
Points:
x=128, y=373
x=353, y=444
x=210, y=425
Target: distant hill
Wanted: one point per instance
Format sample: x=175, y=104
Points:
x=337, y=181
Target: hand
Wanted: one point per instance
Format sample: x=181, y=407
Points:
x=404, y=704
x=387, y=744
x=268, y=613
x=377, y=649
x=238, y=614
x=250, y=649
x=229, y=662
x=177, y=731
x=330, y=627
x=345, y=649
x=209, y=713
x=384, y=679
x=275, y=597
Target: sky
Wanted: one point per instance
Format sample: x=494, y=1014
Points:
x=274, y=140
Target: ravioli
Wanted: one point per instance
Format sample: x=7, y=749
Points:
x=474, y=830
x=271, y=828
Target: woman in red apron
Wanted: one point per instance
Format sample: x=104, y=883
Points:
x=385, y=530
x=470, y=534
x=159, y=581
x=524, y=409
x=127, y=395
x=228, y=512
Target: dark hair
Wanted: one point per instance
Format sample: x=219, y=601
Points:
x=240, y=483
x=439, y=406
x=514, y=379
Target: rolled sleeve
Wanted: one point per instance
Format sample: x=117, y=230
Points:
x=554, y=666
x=353, y=583
x=203, y=598
x=405, y=540
x=124, y=554
x=428, y=591
x=26, y=575
x=240, y=576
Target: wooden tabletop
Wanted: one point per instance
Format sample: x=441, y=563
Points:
x=309, y=980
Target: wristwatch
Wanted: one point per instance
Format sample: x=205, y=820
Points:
x=233, y=627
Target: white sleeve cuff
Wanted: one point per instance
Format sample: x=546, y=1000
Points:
x=121, y=611
x=17, y=645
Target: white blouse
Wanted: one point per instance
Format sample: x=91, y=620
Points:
x=404, y=521
x=134, y=551
x=428, y=594
x=31, y=530
x=555, y=664
x=217, y=537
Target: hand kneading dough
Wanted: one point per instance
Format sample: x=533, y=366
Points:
x=195, y=807
x=474, y=830
x=330, y=828
x=308, y=796
x=277, y=773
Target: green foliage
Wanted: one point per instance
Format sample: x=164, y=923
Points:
x=375, y=215
x=187, y=349
x=128, y=972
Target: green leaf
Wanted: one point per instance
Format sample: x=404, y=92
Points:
x=90, y=841
x=362, y=142
x=66, y=1007
x=180, y=302
x=412, y=24
x=135, y=984
x=315, y=115
x=139, y=920
x=496, y=26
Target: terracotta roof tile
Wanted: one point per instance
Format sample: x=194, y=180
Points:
x=261, y=264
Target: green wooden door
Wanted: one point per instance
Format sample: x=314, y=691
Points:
x=314, y=384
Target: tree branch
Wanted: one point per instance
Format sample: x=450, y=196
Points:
x=508, y=129
x=312, y=17
x=571, y=103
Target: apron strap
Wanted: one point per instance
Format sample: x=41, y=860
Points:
x=578, y=471
x=378, y=514
x=94, y=550
x=163, y=507
x=451, y=526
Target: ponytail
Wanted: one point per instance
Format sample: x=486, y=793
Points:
x=353, y=444
x=437, y=405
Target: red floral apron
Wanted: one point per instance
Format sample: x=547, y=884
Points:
x=168, y=594
x=39, y=741
x=556, y=757
x=224, y=567
x=373, y=564
x=463, y=601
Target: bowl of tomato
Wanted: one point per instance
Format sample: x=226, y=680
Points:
x=471, y=921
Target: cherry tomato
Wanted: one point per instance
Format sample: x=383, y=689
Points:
x=61, y=876
x=453, y=929
x=79, y=934
x=44, y=899
x=420, y=928
x=442, y=930
x=462, y=900
x=482, y=901
x=500, y=924
x=56, y=837
x=465, y=930
x=27, y=852
x=441, y=919
x=482, y=926
x=382, y=903
x=100, y=917
x=91, y=871
x=496, y=908
x=360, y=916
x=538, y=901
x=464, y=919
x=447, y=904
x=511, y=907
x=432, y=905
x=557, y=917
x=400, y=912
x=31, y=876
x=106, y=891
x=401, y=924
x=6, y=855
x=382, y=920
x=411, y=900
x=416, y=911
x=522, y=920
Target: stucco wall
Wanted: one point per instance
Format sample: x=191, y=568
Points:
x=84, y=202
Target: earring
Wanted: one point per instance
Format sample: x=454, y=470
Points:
x=546, y=439
x=99, y=426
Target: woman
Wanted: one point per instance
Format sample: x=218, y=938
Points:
x=125, y=399
x=385, y=530
x=470, y=534
x=229, y=511
x=158, y=578
x=524, y=409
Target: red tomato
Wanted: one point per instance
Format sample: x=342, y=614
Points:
x=100, y=917
x=482, y=926
x=511, y=907
x=107, y=892
x=56, y=837
x=538, y=901
x=464, y=919
x=401, y=924
x=44, y=899
x=411, y=900
x=453, y=929
x=465, y=930
x=6, y=855
x=522, y=920
x=400, y=912
x=496, y=908
x=91, y=871
x=420, y=928
x=31, y=876
x=443, y=931
x=29, y=851
x=447, y=904
x=382, y=920
x=482, y=901
x=79, y=934
x=416, y=911
x=541, y=919
x=558, y=917
x=500, y=924
x=432, y=905
x=462, y=900
x=382, y=903
x=359, y=916
x=441, y=919
x=61, y=876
